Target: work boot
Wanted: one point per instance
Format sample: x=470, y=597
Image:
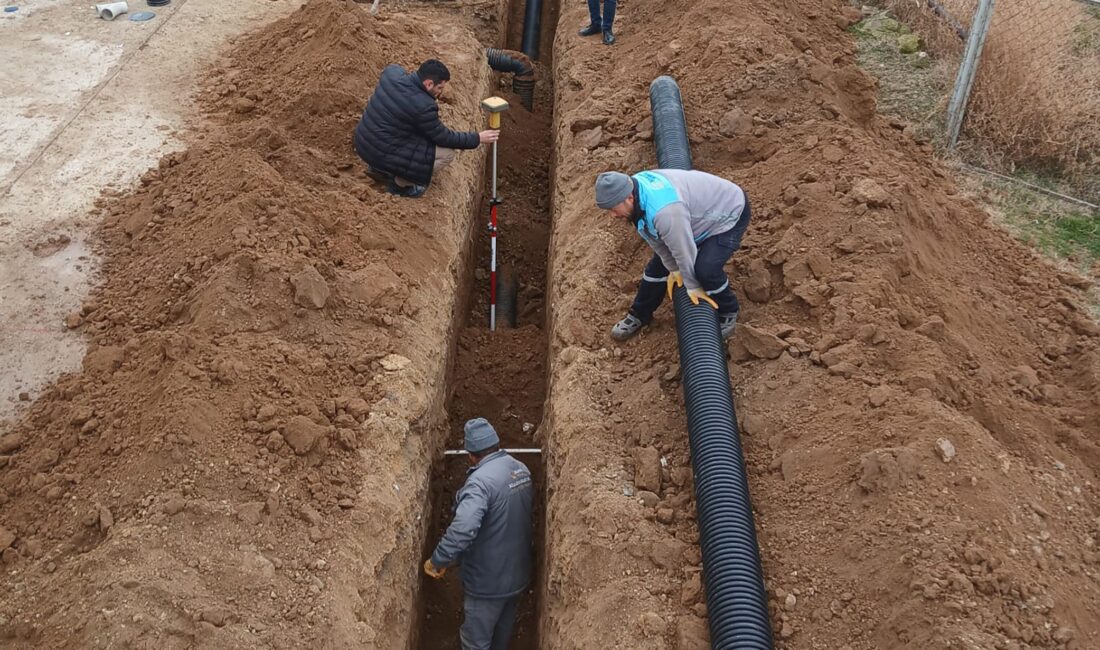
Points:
x=627, y=327
x=726, y=322
x=408, y=191
x=608, y=37
x=591, y=30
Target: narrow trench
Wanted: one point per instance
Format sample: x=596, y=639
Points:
x=501, y=375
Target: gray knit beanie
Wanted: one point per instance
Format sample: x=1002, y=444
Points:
x=612, y=188
x=480, y=435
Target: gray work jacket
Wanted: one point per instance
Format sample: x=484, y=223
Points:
x=708, y=205
x=490, y=535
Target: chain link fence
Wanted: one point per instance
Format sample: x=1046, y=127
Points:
x=1035, y=100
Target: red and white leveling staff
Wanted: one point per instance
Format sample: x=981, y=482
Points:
x=495, y=106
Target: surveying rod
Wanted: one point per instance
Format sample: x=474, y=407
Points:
x=494, y=106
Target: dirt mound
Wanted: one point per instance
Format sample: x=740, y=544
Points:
x=241, y=461
x=918, y=393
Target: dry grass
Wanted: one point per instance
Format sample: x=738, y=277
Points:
x=911, y=86
x=1036, y=101
x=916, y=90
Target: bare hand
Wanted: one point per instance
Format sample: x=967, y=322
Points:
x=491, y=135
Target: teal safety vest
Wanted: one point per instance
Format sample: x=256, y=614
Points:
x=654, y=193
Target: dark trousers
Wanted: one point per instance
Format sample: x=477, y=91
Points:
x=608, y=13
x=487, y=623
x=713, y=253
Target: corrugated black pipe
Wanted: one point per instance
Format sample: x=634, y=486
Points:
x=669, y=124
x=737, y=604
x=525, y=88
x=500, y=61
x=532, y=20
x=523, y=80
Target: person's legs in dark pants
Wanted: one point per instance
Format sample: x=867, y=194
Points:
x=651, y=293
x=608, y=13
x=479, y=620
x=712, y=256
x=598, y=23
x=594, y=13
x=651, y=290
x=594, y=23
x=507, y=621
x=710, y=261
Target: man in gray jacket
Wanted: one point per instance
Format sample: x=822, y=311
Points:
x=490, y=537
x=693, y=221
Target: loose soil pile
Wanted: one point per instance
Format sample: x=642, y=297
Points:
x=244, y=459
x=919, y=394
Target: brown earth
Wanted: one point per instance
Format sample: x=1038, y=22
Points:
x=500, y=375
x=881, y=313
x=244, y=460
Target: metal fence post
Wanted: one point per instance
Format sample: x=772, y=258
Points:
x=956, y=110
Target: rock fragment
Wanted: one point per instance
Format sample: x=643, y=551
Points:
x=10, y=443
x=310, y=288
x=759, y=343
x=302, y=434
x=945, y=449
x=870, y=193
x=647, y=469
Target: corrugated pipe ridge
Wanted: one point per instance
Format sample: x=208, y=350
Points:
x=523, y=80
x=737, y=604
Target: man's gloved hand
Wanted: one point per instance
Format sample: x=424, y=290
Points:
x=674, y=280
x=698, y=294
x=430, y=569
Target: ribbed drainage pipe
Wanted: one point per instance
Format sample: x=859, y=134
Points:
x=737, y=605
x=502, y=61
x=532, y=22
x=523, y=71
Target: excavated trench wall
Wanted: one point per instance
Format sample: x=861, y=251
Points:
x=275, y=189
x=916, y=389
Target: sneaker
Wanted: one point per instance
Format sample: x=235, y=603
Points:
x=726, y=323
x=627, y=327
x=591, y=30
x=608, y=38
x=409, y=192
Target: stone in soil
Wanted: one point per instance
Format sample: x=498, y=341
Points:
x=310, y=288
x=759, y=343
x=302, y=434
x=10, y=443
x=647, y=469
x=945, y=449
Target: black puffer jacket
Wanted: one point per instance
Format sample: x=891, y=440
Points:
x=400, y=128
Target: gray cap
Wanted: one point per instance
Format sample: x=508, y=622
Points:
x=612, y=188
x=480, y=435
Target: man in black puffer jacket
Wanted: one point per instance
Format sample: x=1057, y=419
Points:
x=400, y=135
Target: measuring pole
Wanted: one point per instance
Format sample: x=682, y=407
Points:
x=494, y=106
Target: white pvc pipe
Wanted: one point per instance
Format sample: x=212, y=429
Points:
x=111, y=10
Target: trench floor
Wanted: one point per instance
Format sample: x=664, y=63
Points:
x=501, y=375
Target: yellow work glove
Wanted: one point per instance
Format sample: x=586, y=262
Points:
x=430, y=569
x=674, y=280
x=698, y=294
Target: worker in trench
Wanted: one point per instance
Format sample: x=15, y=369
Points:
x=694, y=221
x=490, y=536
x=400, y=135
